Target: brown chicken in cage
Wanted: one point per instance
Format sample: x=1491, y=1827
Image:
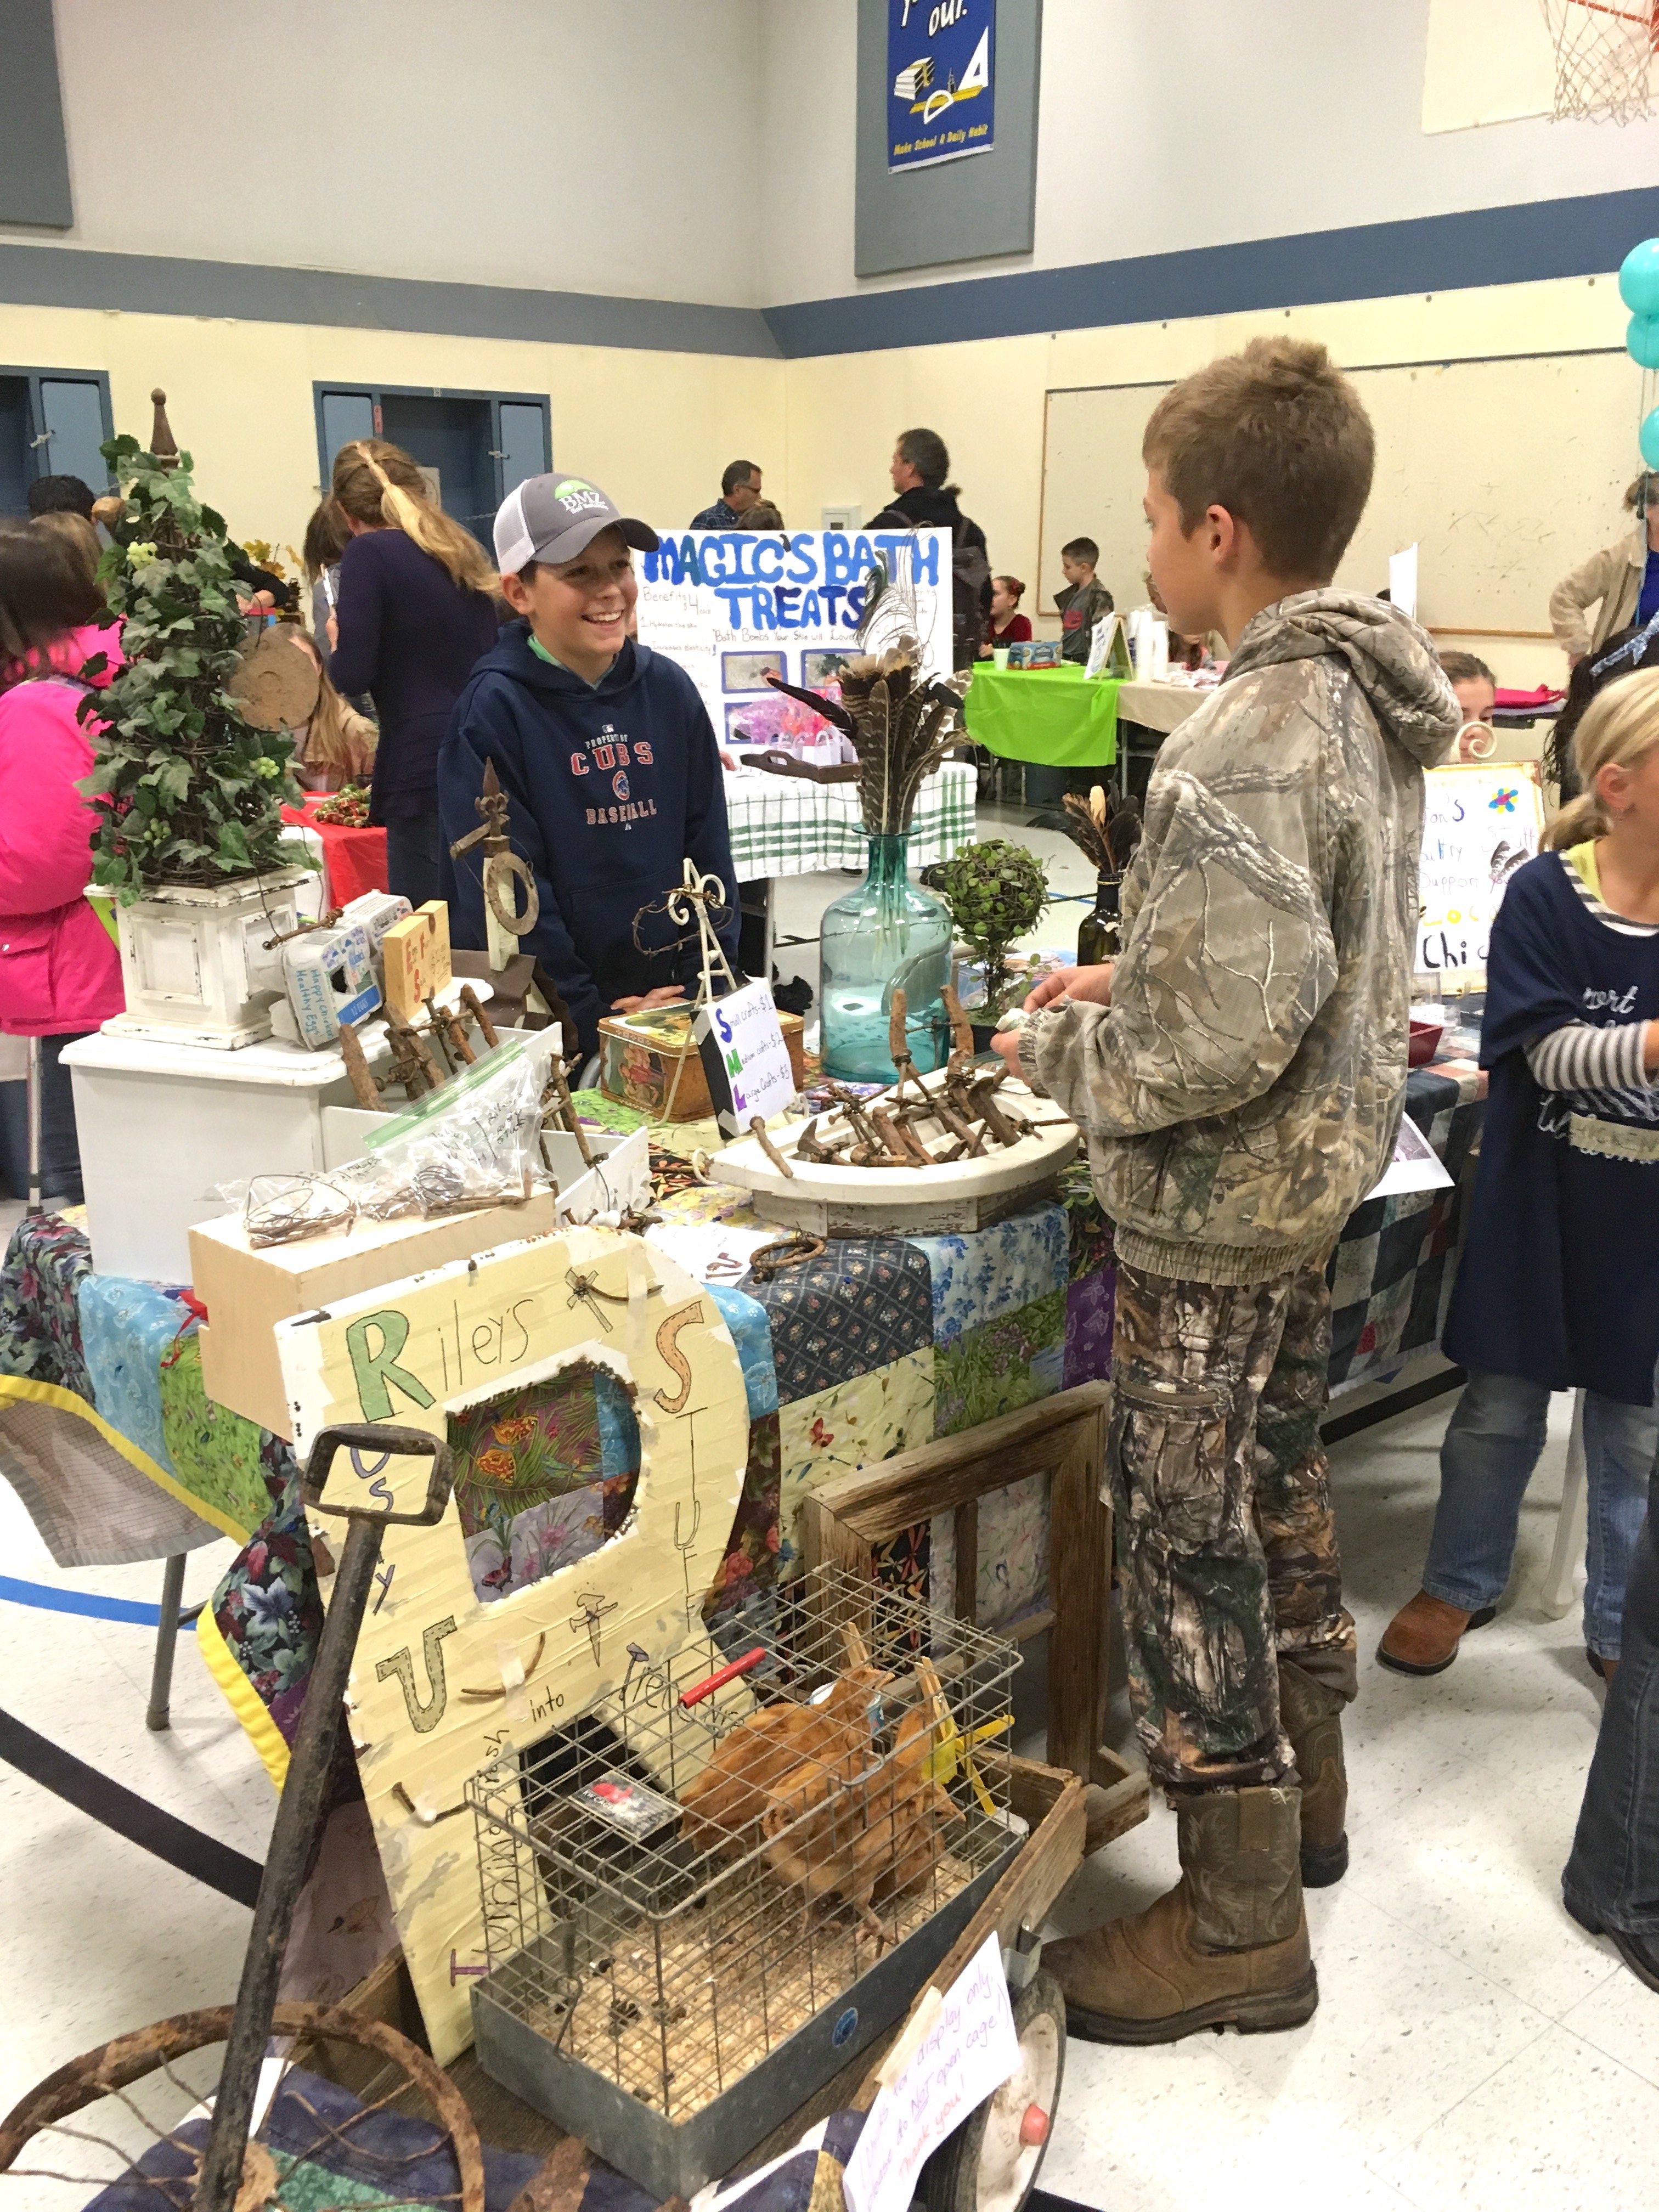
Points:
x=834, y=1816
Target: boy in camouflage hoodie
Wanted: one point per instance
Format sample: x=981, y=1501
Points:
x=1240, y=1074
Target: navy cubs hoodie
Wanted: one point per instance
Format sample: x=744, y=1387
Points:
x=611, y=788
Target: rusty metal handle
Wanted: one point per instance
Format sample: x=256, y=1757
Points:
x=389, y=1439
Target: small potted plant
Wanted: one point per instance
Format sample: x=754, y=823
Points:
x=995, y=892
x=189, y=832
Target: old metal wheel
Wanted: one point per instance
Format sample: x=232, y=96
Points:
x=992, y=2162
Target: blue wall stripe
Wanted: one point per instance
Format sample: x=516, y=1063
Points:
x=52, y=1600
x=1580, y=237
x=157, y=284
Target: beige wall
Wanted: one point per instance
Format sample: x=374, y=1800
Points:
x=987, y=400
x=656, y=428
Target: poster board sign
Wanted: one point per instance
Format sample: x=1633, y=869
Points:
x=731, y=605
x=744, y=1058
x=1108, y=648
x=941, y=81
x=441, y=1681
x=1481, y=821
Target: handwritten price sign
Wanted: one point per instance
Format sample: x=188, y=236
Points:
x=740, y=1042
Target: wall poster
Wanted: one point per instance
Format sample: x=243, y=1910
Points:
x=941, y=81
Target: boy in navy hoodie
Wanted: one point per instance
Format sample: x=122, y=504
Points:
x=605, y=752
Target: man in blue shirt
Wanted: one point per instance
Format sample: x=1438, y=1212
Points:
x=740, y=487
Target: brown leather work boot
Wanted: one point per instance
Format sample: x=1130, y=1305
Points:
x=1226, y=1947
x=1423, y=1637
x=1312, y=1715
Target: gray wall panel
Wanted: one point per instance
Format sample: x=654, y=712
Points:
x=35, y=177
x=964, y=210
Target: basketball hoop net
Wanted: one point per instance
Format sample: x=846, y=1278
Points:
x=1604, y=53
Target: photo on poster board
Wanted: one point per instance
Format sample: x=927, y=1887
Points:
x=941, y=81
x=818, y=669
x=1481, y=822
x=706, y=596
x=748, y=671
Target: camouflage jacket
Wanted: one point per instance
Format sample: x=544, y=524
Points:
x=1244, y=1089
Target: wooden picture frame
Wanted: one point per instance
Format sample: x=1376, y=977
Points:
x=1063, y=1437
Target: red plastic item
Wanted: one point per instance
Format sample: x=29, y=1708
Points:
x=1034, y=2127
x=721, y=1676
x=1423, y=1043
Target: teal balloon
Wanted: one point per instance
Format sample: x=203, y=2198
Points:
x=1642, y=341
x=1649, y=440
x=1638, y=278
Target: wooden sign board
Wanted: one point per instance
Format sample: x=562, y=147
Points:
x=416, y=954
x=443, y=1682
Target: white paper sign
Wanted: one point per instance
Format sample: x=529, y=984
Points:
x=1481, y=822
x=744, y=1057
x=966, y=2056
x=709, y=1251
x=1402, y=580
x=729, y=604
x=1416, y=1166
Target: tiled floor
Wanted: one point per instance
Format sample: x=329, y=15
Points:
x=1473, y=2047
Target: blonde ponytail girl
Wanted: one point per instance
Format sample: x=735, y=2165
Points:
x=379, y=485
x=1619, y=727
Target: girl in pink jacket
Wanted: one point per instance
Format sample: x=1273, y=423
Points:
x=60, y=974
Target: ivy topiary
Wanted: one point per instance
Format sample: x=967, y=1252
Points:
x=194, y=791
x=995, y=891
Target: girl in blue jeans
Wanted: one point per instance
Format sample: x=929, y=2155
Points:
x=1558, y=1287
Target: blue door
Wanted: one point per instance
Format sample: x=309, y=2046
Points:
x=72, y=412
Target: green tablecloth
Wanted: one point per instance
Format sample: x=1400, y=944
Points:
x=1054, y=716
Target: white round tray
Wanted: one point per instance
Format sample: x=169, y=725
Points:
x=957, y=1196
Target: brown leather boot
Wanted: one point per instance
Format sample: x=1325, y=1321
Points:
x=1312, y=1715
x=1423, y=1637
x=1226, y=1947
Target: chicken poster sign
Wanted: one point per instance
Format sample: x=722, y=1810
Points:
x=941, y=81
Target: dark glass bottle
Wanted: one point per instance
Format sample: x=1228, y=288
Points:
x=1097, y=933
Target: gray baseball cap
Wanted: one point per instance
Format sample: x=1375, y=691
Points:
x=552, y=518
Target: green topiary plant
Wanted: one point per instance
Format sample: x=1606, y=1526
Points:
x=995, y=892
x=195, y=792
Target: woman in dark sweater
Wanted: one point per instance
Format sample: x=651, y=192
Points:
x=414, y=613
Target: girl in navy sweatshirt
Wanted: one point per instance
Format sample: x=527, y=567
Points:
x=414, y=613
x=1559, y=1285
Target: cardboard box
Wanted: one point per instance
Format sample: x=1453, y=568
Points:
x=247, y=1292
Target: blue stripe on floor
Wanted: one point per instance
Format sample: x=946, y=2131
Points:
x=53, y=1600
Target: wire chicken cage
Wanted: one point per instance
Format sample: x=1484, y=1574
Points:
x=703, y=1896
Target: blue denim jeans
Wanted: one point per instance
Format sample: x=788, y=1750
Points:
x=1612, y=1879
x=1493, y=1444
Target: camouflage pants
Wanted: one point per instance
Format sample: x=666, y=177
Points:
x=1226, y=1543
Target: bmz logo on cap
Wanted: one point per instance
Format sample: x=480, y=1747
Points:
x=576, y=495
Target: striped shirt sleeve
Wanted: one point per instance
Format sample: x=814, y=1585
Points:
x=1579, y=1057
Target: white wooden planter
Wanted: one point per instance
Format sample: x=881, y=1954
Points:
x=195, y=963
